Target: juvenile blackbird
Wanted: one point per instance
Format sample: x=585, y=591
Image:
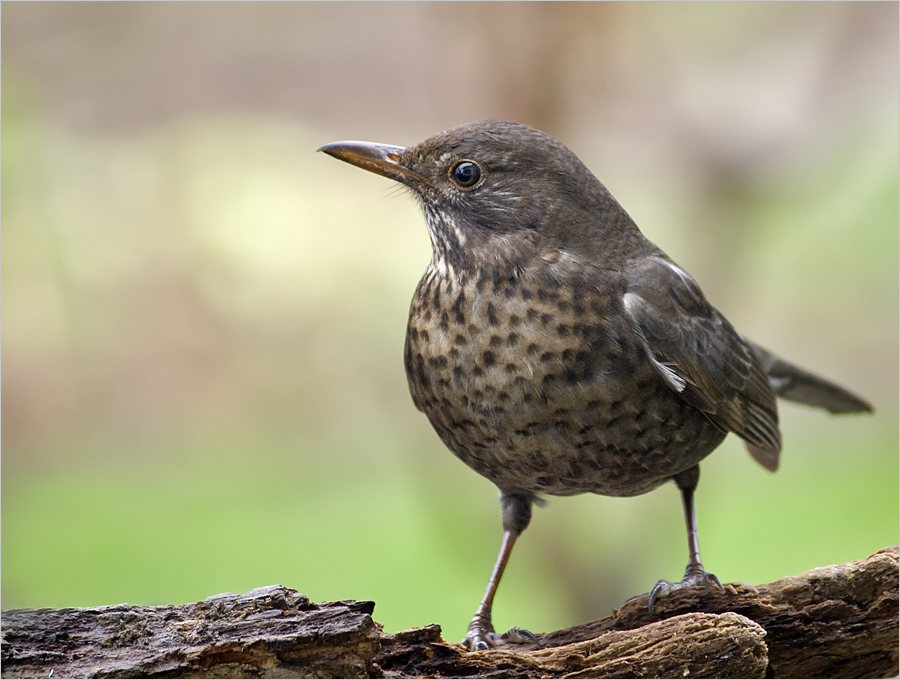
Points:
x=555, y=350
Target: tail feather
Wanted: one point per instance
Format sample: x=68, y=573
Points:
x=768, y=458
x=795, y=384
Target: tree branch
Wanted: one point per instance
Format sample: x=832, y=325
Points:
x=838, y=621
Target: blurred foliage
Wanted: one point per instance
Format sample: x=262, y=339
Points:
x=202, y=319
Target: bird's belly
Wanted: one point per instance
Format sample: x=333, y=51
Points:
x=543, y=395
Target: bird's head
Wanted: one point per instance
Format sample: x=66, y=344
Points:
x=498, y=194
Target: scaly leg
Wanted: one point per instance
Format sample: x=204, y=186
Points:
x=694, y=575
x=481, y=635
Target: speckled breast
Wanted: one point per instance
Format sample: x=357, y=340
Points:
x=541, y=388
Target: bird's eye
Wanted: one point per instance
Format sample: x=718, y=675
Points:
x=465, y=174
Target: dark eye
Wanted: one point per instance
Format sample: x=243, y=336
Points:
x=465, y=174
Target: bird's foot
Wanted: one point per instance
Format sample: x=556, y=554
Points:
x=694, y=576
x=481, y=636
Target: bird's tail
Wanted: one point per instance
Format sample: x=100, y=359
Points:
x=795, y=384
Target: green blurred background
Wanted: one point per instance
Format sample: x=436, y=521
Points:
x=203, y=319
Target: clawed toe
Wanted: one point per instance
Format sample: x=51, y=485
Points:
x=481, y=636
x=478, y=643
x=691, y=579
x=519, y=636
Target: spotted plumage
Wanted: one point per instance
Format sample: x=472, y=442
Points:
x=555, y=350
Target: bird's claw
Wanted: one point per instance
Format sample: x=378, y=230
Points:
x=692, y=578
x=481, y=636
x=519, y=636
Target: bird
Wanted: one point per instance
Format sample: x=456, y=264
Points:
x=557, y=351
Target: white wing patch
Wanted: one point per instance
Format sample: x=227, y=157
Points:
x=675, y=381
x=633, y=303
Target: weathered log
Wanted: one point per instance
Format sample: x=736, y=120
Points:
x=839, y=621
x=269, y=632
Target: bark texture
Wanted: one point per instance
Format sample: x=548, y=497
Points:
x=832, y=622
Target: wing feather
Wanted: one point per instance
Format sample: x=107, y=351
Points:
x=701, y=357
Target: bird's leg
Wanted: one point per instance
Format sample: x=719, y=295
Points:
x=481, y=635
x=694, y=575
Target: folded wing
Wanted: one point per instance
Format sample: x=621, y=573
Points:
x=701, y=357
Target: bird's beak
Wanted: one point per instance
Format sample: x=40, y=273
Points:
x=382, y=159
